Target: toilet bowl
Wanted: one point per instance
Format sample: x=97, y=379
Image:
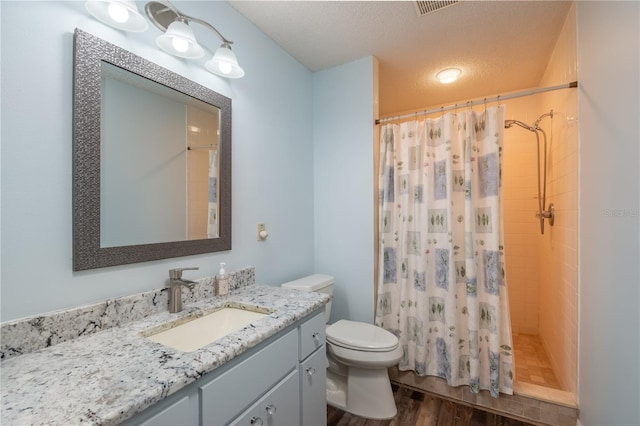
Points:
x=358, y=356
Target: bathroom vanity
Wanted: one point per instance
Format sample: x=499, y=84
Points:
x=271, y=372
x=279, y=382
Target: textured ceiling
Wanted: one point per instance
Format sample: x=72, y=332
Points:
x=501, y=46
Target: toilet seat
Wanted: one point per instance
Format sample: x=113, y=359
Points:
x=361, y=336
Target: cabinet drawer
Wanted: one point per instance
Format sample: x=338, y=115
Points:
x=313, y=382
x=279, y=407
x=230, y=393
x=312, y=334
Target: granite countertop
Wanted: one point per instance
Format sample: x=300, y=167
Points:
x=108, y=376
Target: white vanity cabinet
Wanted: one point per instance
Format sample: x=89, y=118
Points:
x=279, y=407
x=313, y=371
x=180, y=412
x=280, y=382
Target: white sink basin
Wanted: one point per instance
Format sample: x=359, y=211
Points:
x=199, y=332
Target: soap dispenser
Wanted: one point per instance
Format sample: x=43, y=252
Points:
x=222, y=281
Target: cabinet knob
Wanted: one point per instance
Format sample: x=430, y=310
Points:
x=316, y=336
x=271, y=409
x=257, y=421
x=311, y=371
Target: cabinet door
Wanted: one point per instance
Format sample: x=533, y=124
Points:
x=279, y=407
x=179, y=413
x=234, y=390
x=313, y=381
x=312, y=334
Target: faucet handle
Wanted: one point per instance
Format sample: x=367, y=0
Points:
x=176, y=274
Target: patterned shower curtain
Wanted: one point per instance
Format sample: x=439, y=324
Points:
x=442, y=287
x=212, y=205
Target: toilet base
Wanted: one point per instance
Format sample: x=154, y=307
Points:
x=364, y=392
x=336, y=391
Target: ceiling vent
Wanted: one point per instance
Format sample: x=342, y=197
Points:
x=424, y=7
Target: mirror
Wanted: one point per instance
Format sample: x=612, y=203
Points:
x=152, y=160
x=154, y=137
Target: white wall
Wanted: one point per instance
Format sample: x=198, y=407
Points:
x=609, y=107
x=343, y=180
x=272, y=156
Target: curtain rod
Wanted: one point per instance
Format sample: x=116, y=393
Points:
x=469, y=104
x=193, y=148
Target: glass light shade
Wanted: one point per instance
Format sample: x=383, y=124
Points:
x=224, y=63
x=179, y=40
x=449, y=75
x=120, y=14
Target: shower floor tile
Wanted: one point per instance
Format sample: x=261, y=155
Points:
x=532, y=363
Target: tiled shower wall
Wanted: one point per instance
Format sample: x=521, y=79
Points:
x=542, y=269
x=521, y=228
x=559, y=247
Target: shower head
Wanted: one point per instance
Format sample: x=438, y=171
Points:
x=509, y=123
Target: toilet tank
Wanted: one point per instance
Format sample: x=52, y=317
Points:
x=320, y=283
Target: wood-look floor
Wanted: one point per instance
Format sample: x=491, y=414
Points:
x=418, y=409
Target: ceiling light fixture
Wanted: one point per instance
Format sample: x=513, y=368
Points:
x=120, y=14
x=179, y=40
x=448, y=75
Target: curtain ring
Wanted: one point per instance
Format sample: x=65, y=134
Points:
x=498, y=100
x=442, y=111
x=485, y=104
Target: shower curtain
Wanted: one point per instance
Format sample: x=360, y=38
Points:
x=442, y=287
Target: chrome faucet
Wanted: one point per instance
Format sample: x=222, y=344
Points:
x=175, y=288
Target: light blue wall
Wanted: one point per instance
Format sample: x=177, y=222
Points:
x=343, y=182
x=609, y=107
x=272, y=156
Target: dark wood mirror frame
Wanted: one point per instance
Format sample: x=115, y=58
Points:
x=89, y=52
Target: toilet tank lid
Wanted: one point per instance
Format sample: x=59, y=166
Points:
x=311, y=282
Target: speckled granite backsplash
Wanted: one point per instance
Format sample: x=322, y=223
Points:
x=29, y=334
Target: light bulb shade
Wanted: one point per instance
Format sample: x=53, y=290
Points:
x=224, y=63
x=120, y=14
x=179, y=40
x=449, y=75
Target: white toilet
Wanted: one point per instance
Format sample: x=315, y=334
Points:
x=358, y=356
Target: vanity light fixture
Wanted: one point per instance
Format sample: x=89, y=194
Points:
x=178, y=39
x=225, y=63
x=120, y=14
x=448, y=75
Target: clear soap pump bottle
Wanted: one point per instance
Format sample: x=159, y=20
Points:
x=222, y=281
